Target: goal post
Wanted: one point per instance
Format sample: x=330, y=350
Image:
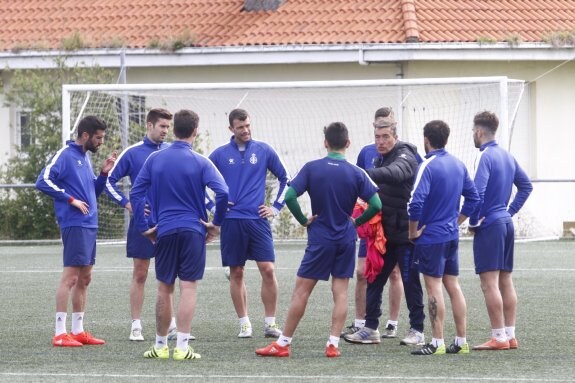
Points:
x=290, y=116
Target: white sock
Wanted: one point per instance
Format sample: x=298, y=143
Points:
x=269, y=321
x=77, y=323
x=459, y=341
x=359, y=323
x=437, y=342
x=499, y=334
x=183, y=341
x=333, y=340
x=60, y=323
x=284, y=340
x=392, y=322
x=173, y=323
x=510, y=332
x=136, y=323
x=244, y=320
x=161, y=341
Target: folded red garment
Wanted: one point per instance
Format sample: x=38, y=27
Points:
x=372, y=232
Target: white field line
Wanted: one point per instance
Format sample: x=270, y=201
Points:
x=282, y=377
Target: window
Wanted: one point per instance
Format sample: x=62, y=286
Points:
x=25, y=130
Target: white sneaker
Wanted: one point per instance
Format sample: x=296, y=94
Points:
x=227, y=272
x=173, y=334
x=136, y=334
x=245, y=331
x=390, y=331
x=413, y=338
x=272, y=331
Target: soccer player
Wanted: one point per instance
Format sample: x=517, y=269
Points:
x=174, y=181
x=434, y=220
x=366, y=160
x=246, y=234
x=394, y=173
x=496, y=173
x=333, y=185
x=138, y=247
x=69, y=179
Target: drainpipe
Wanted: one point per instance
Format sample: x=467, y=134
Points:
x=361, y=57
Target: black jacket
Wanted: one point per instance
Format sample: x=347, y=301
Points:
x=395, y=176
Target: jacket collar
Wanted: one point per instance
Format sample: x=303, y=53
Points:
x=487, y=144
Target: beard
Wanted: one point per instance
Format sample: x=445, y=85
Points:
x=476, y=142
x=91, y=147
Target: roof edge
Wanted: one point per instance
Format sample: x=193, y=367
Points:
x=293, y=54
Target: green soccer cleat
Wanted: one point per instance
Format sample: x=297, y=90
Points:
x=157, y=353
x=186, y=354
x=430, y=349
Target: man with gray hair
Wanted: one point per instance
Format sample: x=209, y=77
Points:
x=394, y=173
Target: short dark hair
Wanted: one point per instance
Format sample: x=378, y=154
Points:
x=237, y=114
x=336, y=135
x=155, y=114
x=90, y=124
x=185, y=123
x=486, y=120
x=383, y=112
x=437, y=133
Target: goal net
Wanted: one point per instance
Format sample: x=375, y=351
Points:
x=290, y=116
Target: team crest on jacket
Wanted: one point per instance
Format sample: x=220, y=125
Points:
x=79, y=162
x=253, y=159
x=231, y=161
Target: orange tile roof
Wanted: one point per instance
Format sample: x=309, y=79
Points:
x=473, y=20
x=138, y=23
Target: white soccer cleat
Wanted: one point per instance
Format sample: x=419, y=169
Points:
x=246, y=330
x=136, y=335
x=272, y=331
x=172, y=333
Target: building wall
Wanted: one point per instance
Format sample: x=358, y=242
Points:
x=543, y=134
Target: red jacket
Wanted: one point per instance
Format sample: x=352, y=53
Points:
x=372, y=232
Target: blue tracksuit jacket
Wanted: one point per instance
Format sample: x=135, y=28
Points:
x=69, y=174
x=245, y=173
x=175, y=181
x=435, y=200
x=129, y=164
x=496, y=173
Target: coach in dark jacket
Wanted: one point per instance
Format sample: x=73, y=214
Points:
x=394, y=173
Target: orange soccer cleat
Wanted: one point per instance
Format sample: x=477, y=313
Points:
x=493, y=344
x=64, y=340
x=513, y=344
x=87, y=338
x=274, y=349
x=331, y=351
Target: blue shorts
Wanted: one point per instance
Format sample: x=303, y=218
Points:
x=438, y=259
x=138, y=246
x=362, y=251
x=321, y=261
x=181, y=254
x=493, y=247
x=246, y=239
x=79, y=246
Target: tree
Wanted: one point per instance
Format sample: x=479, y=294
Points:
x=25, y=213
